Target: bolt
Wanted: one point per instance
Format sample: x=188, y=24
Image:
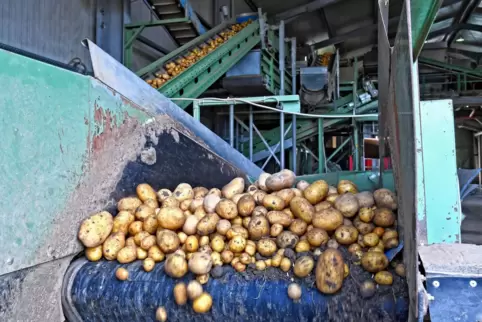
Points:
x=10, y=261
x=473, y=283
x=436, y=284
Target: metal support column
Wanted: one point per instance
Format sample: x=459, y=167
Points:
x=356, y=154
x=282, y=90
x=338, y=149
x=237, y=136
x=356, y=144
x=196, y=111
x=231, y=125
x=321, y=147
x=293, y=90
x=251, y=133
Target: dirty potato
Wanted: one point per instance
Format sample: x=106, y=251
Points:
x=366, y=214
x=176, y=266
x=207, y=225
x=144, y=211
x=328, y=219
x=227, y=209
x=246, y=205
x=237, y=244
x=302, y=185
x=94, y=254
x=183, y=192
x=156, y=254
x=260, y=210
x=200, y=192
x=258, y=227
x=363, y=227
x=279, y=217
x=316, y=192
x=172, y=218
x=346, y=235
x=384, y=198
x=298, y=227
x=150, y=224
x=303, y=266
x=262, y=181
x=286, y=195
x=129, y=204
x=236, y=186
x=384, y=278
x=331, y=198
x=237, y=230
x=200, y=263
x=330, y=271
x=163, y=194
x=112, y=245
x=95, y=229
x=346, y=186
x=317, y=237
x=259, y=197
x=347, y=204
x=281, y=180
x=365, y=199
x=302, y=208
x=266, y=247
x=145, y=192
x=168, y=241
x=374, y=262
x=122, y=221
x=127, y=254
x=210, y=202
x=322, y=205
x=371, y=239
x=287, y=240
x=383, y=217
x=273, y=202
x=170, y=202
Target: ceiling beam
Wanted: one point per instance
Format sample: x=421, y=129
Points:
x=251, y=5
x=468, y=6
x=454, y=29
x=309, y=7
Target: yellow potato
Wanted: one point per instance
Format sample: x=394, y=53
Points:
x=183, y=192
x=163, y=194
x=391, y=243
x=156, y=254
x=176, y=266
x=280, y=180
x=127, y=254
x=122, y=222
x=384, y=198
x=371, y=239
x=302, y=246
x=148, y=264
x=285, y=264
x=374, y=262
x=366, y=214
x=273, y=202
x=298, y=227
x=234, y=187
x=330, y=271
x=316, y=192
x=389, y=234
x=346, y=235
x=180, y=293
x=347, y=204
x=329, y=219
x=203, y=303
x=331, y=198
x=317, y=237
x=262, y=181
x=246, y=205
x=279, y=217
x=227, y=256
x=217, y=244
x=266, y=247
x=259, y=197
x=303, y=266
x=346, y=186
x=129, y=204
x=297, y=192
x=140, y=236
x=354, y=248
x=170, y=202
x=384, y=278
x=144, y=211
x=200, y=192
x=148, y=241
x=258, y=227
x=365, y=199
x=302, y=208
x=122, y=274
x=275, y=230
x=112, y=245
x=286, y=240
x=383, y=217
x=152, y=203
x=237, y=244
x=200, y=263
x=135, y=228
x=93, y=254
x=168, y=241
x=227, y=209
x=150, y=225
x=237, y=230
x=322, y=206
x=379, y=231
x=130, y=241
x=207, y=225
x=172, y=218
x=286, y=195
x=363, y=227
x=145, y=192
x=215, y=191
x=95, y=229
x=196, y=203
x=223, y=226
x=185, y=204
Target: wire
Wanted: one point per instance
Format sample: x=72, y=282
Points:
x=233, y=100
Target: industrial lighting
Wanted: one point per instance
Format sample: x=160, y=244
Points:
x=306, y=58
x=460, y=39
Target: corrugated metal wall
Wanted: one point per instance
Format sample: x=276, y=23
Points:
x=51, y=28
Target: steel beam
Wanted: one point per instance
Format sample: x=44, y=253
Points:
x=309, y=7
x=455, y=29
x=466, y=9
x=449, y=67
x=423, y=14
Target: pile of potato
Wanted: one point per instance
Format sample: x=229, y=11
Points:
x=173, y=69
x=197, y=230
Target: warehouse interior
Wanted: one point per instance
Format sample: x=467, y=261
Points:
x=320, y=87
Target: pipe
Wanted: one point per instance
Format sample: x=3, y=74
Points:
x=282, y=89
x=250, y=133
x=231, y=125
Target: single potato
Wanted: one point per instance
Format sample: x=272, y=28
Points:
x=384, y=278
x=302, y=208
x=183, y=192
x=227, y=209
x=287, y=240
x=384, y=217
x=207, y=225
x=384, y=198
x=279, y=217
x=95, y=229
x=200, y=263
x=172, y=218
x=145, y=192
x=234, y=187
x=286, y=195
x=273, y=202
x=176, y=266
x=168, y=241
x=298, y=227
x=317, y=237
x=346, y=186
x=266, y=247
x=346, y=235
x=112, y=245
x=210, y=202
x=347, y=204
x=374, y=262
x=258, y=227
x=281, y=180
x=246, y=205
x=127, y=254
x=122, y=221
x=316, y=192
x=329, y=219
x=262, y=181
x=330, y=271
x=365, y=199
x=129, y=204
x=303, y=266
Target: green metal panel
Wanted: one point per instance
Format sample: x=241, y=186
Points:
x=423, y=14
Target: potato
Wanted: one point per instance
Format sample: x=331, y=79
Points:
x=150, y=225
x=217, y=244
x=383, y=217
x=180, y=293
x=163, y=194
x=194, y=290
x=122, y=274
x=258, y=227
x=196, y=203
x=202, y=279
x=148, y=264
x=391, y=243
x=203, y=303
x=223, y=226
x=204, y=241
x=329, y=219
x=279, y=217
x=384, y=278
x=286, y=195
x=262, y=181
x=246, y=205
x=286, y=240
x=192, y=244
x=93, y=254
x=176, y=266
x=190, y=225
x=289, y=213
x=227, y=209
x=273, y=202
x=250, y=249
x=346, y=235
x=238, y=196
x=128, y=204
x=294, y=292
x=246, y=221
x=354, y=248
x=148, y=241
x=365, y=199
x=210, y=202
x=297, y=192
x=156, y=254
x=168, y=241
x=200, y=263
x=347, y=204
x=152, y=203
x=346, y=270
x=322, y=206
x=302, y=246
x=281, y=180
x=260, y=265
x=259, y=197
x=170, y=202
x=302, y=209
x=298, y=227
x=388, y=234
x=200, y=213
x=275, y=230
x=317, y=237
x=207, y=225
x=161, y=314
x=384, y=198
x=215, y=191
x=237, y=230
x=363, y=227
x=346, y=186
x=95, y=229
x=303, y=266
x=366, y=214
x=183, y=192
x=285, y=264
x=400, y=270
x=172, y=218
x=144, y=211
x=185, y=204
x=367, y=289
x=252, y=189
x=329, y=271
x=200, y=192
x=127, y=254
x=130, y=242
x=145, y=191
x=245, y=259
x=374, y=262
x=302, y=185
x=379, y=231
x=259, y=210
x=266, y=247
x=122, y=222
x=316, y=192
x=227, y=256
x=238, y=221
x=371, y=239
x=237, y=244
x=236, y=186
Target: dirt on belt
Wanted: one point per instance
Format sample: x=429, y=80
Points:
x=347, y=304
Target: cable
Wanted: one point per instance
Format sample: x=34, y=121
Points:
x=233, y=100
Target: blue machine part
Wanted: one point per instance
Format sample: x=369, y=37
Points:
x=248, y=65
x=314, y=78
x=92, y=293
x=246, y=16
x=455, y=299
x=466, y=176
